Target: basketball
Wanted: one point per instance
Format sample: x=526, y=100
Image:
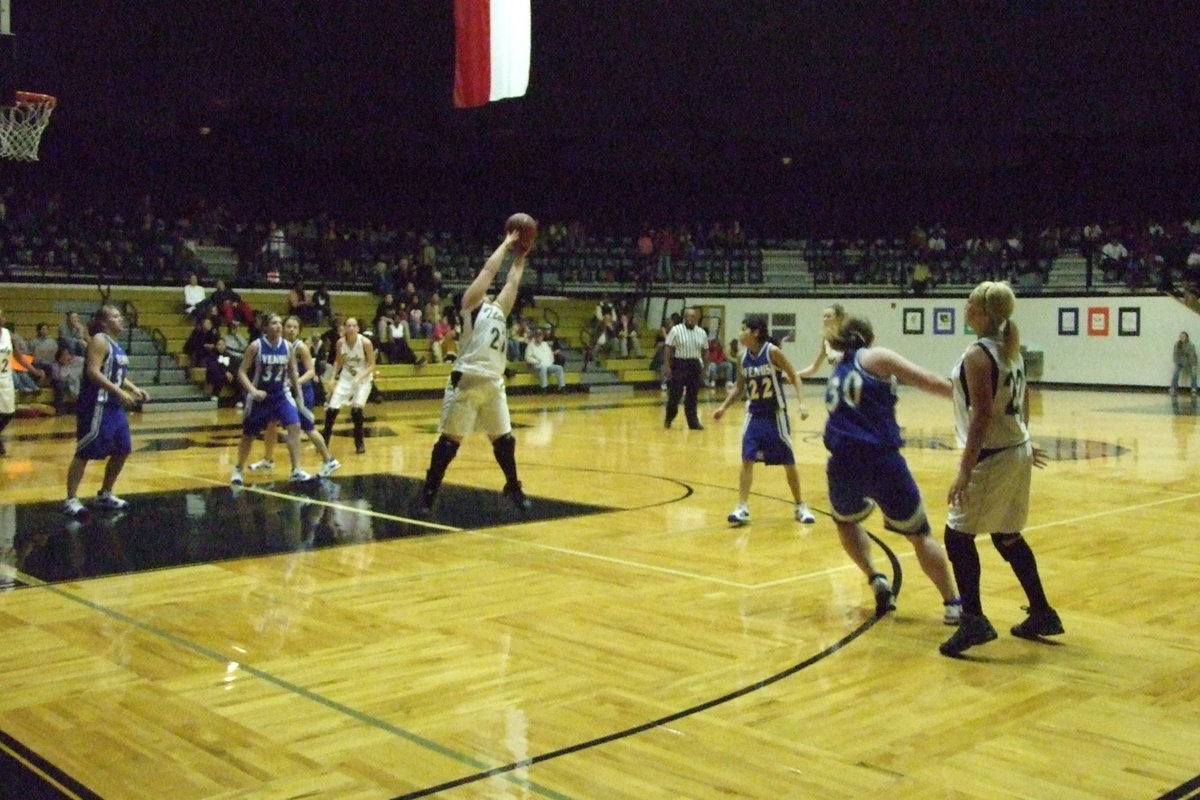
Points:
x=527, y=226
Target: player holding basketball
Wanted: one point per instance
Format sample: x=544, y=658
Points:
x=353, y=374
x=767, y=432
x=865, y=465
x=991, y=492
x=101, y=427
x=475, y=399
x=269, y=396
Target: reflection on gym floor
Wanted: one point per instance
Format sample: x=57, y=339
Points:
x=202, y=525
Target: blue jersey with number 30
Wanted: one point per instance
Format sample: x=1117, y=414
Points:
x=862, y=407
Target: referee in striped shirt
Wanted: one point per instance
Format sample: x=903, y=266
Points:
x=685, y=351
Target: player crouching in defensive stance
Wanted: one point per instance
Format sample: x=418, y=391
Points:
x=475, y=399
x=269, y=396
x=767, y=432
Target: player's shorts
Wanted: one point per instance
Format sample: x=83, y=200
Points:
x=998, y=494
x=257, y=413
x=102, y=431
x=862, y=477
x=344, y=392
x=8, y=394
x=768, y=439
x=474, y=403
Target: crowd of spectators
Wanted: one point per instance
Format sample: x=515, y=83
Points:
x=149, y=243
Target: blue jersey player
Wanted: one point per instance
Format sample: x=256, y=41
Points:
x=865, y=466
x=101, y=427
x=766, y=432
x=269, y=377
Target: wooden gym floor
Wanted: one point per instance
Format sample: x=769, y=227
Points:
x=623, y=641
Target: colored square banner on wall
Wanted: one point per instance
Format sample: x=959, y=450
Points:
x=1068, y=322
x=943, y=320
x=1129, y=322
x=1097, y=322
x=914, y=320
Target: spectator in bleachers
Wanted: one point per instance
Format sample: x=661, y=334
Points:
x=720, y=369
x=229, y=304
x=201, y=342
x=236, y=340
x=25, y=374
x=434, y=307
x=220, y=369
x=444, y=344
x=520, y=334
x=627, y=337
x=72, y=335
x=1114, y=259
x=322, y=303
x=418, y=324
x=274, y=249
x=43, y=348
x=396, y=348
x=195, y=302
x=298, y=305
x=384, y=311
x=66, y=375
x=542, y=360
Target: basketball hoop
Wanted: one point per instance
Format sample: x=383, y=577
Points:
x=22, y=123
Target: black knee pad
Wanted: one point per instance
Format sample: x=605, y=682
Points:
x=445, y=449
x=957, y=543
x=506, y=445
x=1005, y=542
x=356, y=414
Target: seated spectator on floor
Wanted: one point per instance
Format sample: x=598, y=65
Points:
x=72, y=334
x=43, y=348
x=221, y=369
x=66, y=375
x=195, y=301
x=397, y=348
x=541, y=360
x=201, y=342
x=229, y=304
x=720, y=369
x=322, y=304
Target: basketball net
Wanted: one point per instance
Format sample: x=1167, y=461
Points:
x=22, y=123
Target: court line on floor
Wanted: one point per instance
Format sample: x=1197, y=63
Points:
x=536, y=545
x=303, y=498
x=1112, y=511
x=296, y=689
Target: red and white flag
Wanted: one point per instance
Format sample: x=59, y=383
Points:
x=491, y=53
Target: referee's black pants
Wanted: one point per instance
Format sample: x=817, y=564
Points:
x=685, y=383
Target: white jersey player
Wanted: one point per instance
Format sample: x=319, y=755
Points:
x=353, y=376
x=475, y=399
